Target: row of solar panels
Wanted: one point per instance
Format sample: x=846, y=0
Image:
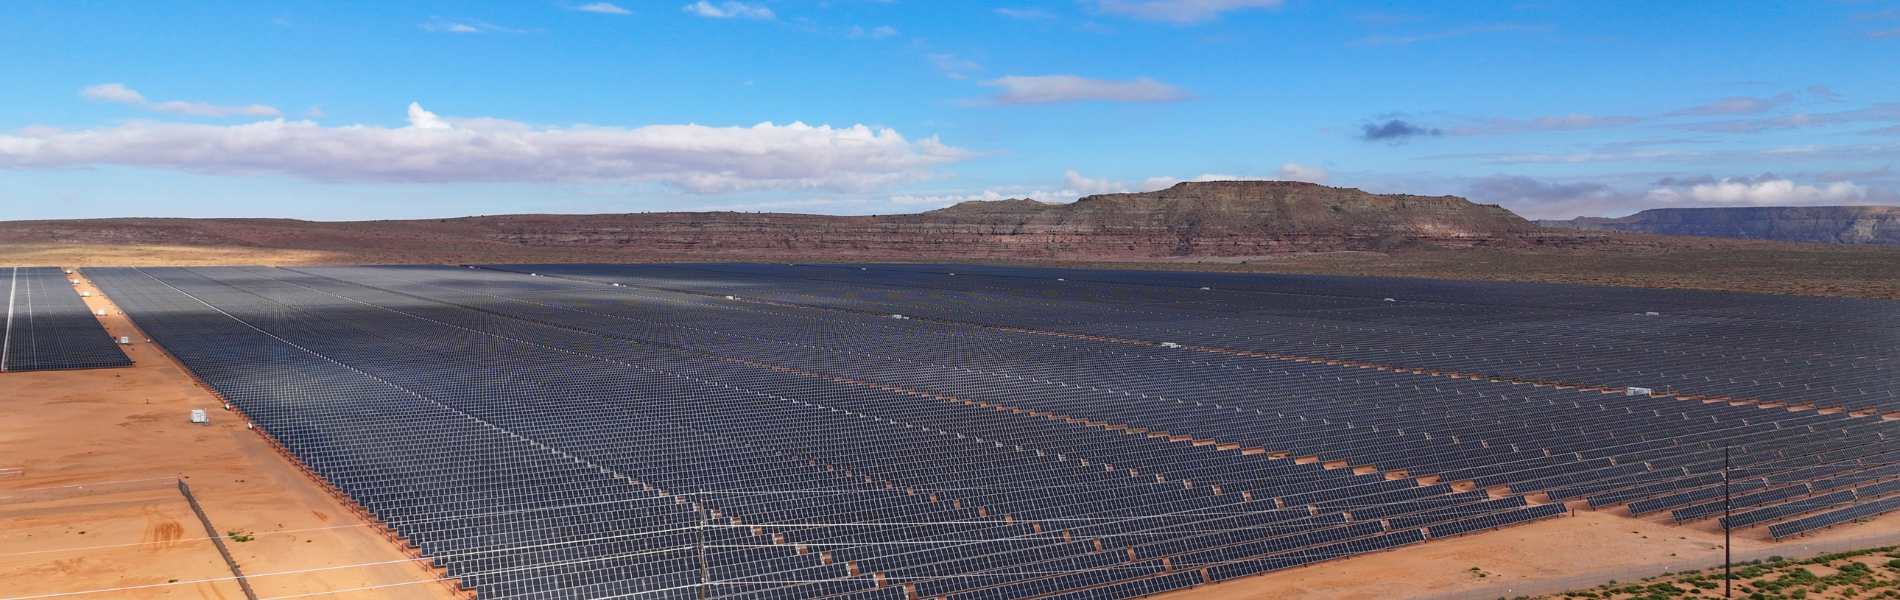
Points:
x=48, y=327
x=428, y=482
x=686, y=393
x=1735, y=345
x=1618, y=478
x=1633, y=466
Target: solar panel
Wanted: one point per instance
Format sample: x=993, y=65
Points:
x=48, y=327
x=579, y=432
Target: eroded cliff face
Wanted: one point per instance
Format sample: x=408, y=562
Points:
x=1831, y=224
x=1213, y=219
x=1237, y=218
x=1231, y=218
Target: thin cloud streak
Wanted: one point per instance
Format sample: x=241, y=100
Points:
x=118, y=93
x=1055, y=89
x=1739, y=105
x=605, y=8
x=1381, y=40
x=440, y=25
x=1540, y=124
x=1179, y=11
x=728, y=10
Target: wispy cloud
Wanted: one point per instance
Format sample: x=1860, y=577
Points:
x=1884, y=34
x=1385, y=18
x=1297, y=172
x=1053, y=89
x=605, y=8
x=1384, y=40
x=1834, y=176
x=1025, y=13
x=1887, y=111
x=433, y=148
x=881, y=32
x=728, y=10
x=1396, y=131
x=441, y=25
x=1537, y=198
x=115, y=92
x=953, y=66
x=1540, y=124
x=1771, y=155
x=1738, y=105
x=1879, y=15
x=1178, y=11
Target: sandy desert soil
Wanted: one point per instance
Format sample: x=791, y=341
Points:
x=102, y=425
x=129, y=539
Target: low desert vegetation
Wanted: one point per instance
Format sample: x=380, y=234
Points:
x=1858, y=575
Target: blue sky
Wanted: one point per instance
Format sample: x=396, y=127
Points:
x=342, y=110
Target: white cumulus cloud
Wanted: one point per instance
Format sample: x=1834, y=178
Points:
x=1077, y=185
x=1179, y=11
x=1297, y=172
x=422, y=119
x=949, y=199
x=1760, y=191
x=1051, y=89
x=727, y=10
x=115, y=92
x=432, y=148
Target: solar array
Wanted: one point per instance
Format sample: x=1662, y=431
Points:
x=48, y=327
x=766, y=431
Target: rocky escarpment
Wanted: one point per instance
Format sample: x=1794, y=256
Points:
x=1234, y=218
x=1228, y=218
x=1212, y=219
x=1832, y=224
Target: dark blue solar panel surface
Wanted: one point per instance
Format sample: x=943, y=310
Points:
x=548, y=431
x=48, y=327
